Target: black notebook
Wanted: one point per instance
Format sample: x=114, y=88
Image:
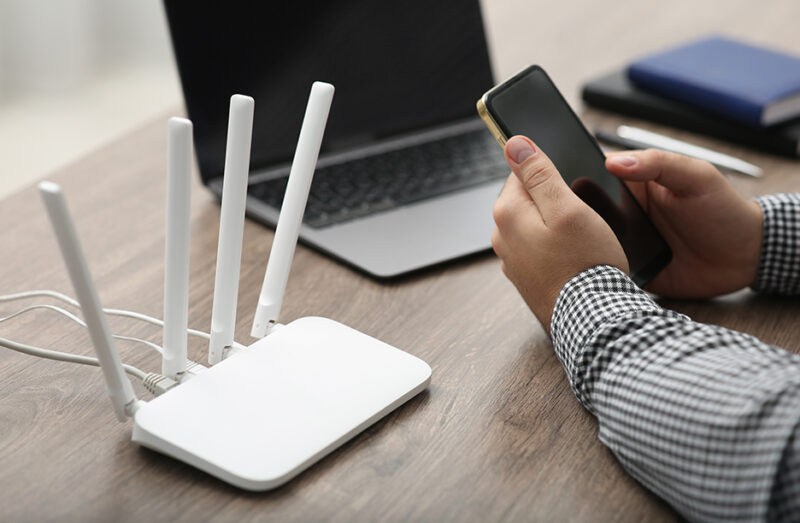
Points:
x=614, y=92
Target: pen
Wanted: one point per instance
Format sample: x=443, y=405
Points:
x=635, y=138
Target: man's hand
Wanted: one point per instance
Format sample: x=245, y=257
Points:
x=715, y=234
x=545, y=234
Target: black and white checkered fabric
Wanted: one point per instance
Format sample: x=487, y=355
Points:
x=705, y=417
x=779, y=270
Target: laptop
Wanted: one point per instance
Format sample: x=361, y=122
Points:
x=407, y=174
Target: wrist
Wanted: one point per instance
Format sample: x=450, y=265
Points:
x=545, y=306
x=754, y=247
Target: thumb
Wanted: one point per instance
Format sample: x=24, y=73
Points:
x=538, y=175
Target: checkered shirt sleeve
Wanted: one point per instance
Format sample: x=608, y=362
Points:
x=779, y=269
x=705, y=417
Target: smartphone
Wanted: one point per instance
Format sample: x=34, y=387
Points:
x=529, y=104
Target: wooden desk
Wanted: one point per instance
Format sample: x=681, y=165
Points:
x=498, y=436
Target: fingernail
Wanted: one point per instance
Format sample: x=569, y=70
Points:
x=625, y=161
x=520, y=149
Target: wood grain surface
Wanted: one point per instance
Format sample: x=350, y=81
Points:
x=498, y=436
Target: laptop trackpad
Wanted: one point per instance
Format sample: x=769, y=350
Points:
x=413, y=236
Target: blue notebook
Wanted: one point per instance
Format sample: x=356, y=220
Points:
x=739, y=81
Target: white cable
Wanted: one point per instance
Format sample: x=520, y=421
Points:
x=64, y=356
x=80, y=322
x=153, y=382
x=39, y=293
x=139, y=340
x=113, y=312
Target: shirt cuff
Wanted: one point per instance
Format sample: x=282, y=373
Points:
x=779, y=267
x=596, y=298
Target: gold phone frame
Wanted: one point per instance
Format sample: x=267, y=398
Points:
x=486, y=116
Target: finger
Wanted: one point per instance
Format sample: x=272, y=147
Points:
x=514, y=206
x=678, y=173
x=539, y=176
x=639, y=191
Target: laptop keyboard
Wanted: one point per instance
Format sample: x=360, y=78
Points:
x=376, y=183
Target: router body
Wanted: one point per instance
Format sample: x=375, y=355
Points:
x=262, y=416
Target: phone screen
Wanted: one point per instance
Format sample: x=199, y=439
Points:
x=529, y=104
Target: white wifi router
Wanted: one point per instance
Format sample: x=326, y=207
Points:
x=262, y=414
x=261, y=417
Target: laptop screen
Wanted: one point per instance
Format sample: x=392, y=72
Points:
x=396, y=66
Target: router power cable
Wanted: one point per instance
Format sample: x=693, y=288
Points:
x=64, y=356
x=112, y=312
x=80, y=322
x=155, y=383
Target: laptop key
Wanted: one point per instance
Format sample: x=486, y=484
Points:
x=344, y=192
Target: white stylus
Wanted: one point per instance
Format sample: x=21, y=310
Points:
x=649, y=139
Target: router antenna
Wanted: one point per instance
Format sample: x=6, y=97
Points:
x=294, y=204
x=231, y=227
x=176, y=262
x=119, y=386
